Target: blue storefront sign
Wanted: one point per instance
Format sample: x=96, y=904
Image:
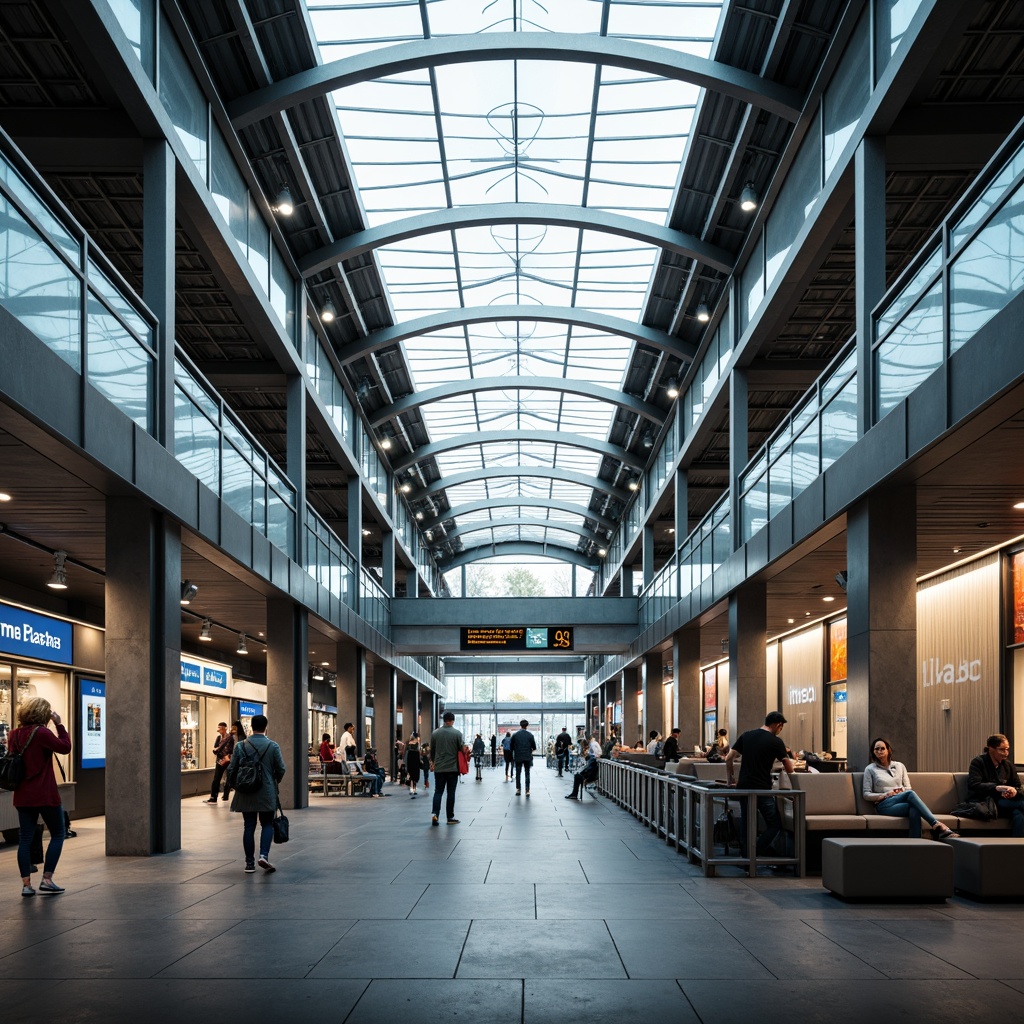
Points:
x=216, y=678
x=30, y=635
x=247, y=710
x=191, y=673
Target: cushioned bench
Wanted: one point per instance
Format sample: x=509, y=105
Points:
x=988, y=867
x=886, y=868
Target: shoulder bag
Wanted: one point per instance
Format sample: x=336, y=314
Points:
x=12, y=765
x=280, y=824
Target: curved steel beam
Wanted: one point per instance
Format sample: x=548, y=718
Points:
x=487, y=504
x=451, y=444
x=682, y=350
x=491, y=46
x=486, y=214
x=474, y=554
x=564, y=384
x=500, y=472
x=546, y=524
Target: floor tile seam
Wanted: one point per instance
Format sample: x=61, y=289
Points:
x=78, y=923
x=810, y=923
x=927, y=952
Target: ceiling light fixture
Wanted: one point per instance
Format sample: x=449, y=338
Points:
x=841, y=578
x=385, y=442
x=648, y=440
x=328, y=312
x=748, y=198
x=634, y=484
x=672, y=388
x=1018, y=505
x=419, y=514
x=703, y=313
x=59, y=578
x=241, y=648
x=188, y=591
x=318, y=673
x=405, y=487
x=206, y=633
x=4, y=496
x=283, y=204
x=602, y=552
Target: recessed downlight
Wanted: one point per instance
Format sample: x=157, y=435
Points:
x=4, y=496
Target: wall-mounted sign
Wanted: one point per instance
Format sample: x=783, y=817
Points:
x=516, y=638
x=246, y=709
x=31, y=635
x=92, y=713
x=203, y=675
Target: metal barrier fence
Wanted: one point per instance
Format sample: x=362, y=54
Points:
x=684, y=812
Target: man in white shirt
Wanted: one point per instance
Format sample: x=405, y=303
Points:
x=347, y=743
x=652, y=746
x=594, y=747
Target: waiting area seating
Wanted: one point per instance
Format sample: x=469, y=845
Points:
x=988, y=867
x=887, y=868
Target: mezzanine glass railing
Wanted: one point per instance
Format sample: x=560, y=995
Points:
x=65, y=291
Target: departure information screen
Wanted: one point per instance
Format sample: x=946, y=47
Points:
x=516, y=638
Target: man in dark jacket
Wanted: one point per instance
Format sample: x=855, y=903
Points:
x=671, y=748
x=263, y=802
x=992, y=774
x=563, y=744
x=523, y=746
x=223, y=746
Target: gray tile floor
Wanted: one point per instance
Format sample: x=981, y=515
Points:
x=529, y=911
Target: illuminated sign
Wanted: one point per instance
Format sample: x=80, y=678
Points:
x=516, y=638
x=93, y=718
x=34, y=636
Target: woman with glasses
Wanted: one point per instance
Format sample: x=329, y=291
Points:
x=887, y=786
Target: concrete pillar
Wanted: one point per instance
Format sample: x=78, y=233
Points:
x=881, y=593
x=351, y=689
x=143, y=672
x=748, y=634
x=410, y=708
x=654, y=697
x=287, y=681
x=632, y=727
x=385, y=695
x=689, y=706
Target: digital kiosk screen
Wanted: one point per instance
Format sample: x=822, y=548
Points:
x=92, y=709
x=516, y=638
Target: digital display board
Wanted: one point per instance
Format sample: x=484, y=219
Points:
x=516, y=638
x=92, y=710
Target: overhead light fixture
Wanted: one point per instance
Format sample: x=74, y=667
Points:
x=4, y=496
x=206, y=633
x=366, y=533
x=328, y=312
x=363, y=389
x=332, y=680
x=188, y=591
x=318, y=673
x=648, y=440
x=283, y=203
x=703, y=313
x=385, y=442
x=672, y=388
x=841, y=578
x=59, y=578
x=429, y=535
x=405, y=487
x=419, y=514
x=602, y=552
x=634, y=484
x=241, y=648
x=828, y=598
x=749, y=198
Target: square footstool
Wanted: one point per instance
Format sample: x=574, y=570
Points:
x=887, y=868
x=988, y=867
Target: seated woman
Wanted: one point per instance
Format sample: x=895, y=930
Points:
x=331, y=767
x=887, y=786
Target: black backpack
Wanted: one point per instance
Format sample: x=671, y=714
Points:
x=12, y=765
x=249, y=774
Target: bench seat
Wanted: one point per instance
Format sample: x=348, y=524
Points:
x=988, y=867
x=884, y=868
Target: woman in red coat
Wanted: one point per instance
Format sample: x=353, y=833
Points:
x=38, y=794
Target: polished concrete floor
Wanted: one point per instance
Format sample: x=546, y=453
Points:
x=531, y=911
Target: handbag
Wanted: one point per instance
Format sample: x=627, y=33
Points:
x=982, y=810
x=280, y=825
x=725, y=831
x=12, y=765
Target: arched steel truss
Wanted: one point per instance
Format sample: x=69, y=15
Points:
x=490, y=504
x=561, y=384
x=542, y=472
x=558, y=551
x=546, y=524
x=451, y=444
x=488, y=214
x=495, y=46
x=467, y=316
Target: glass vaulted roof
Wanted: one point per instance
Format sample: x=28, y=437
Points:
x=511, y=132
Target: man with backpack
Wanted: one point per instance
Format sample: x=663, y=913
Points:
x=563, y=743
x=254, y=773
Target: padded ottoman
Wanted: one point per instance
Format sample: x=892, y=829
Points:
x=861, y=868
x=988, y=867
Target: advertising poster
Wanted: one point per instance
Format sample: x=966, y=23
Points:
x=92, y=710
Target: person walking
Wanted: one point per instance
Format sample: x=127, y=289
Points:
x=523, y=746
x=262, y=803
x=506, y=750
x=412, y=763
x=445, y=744
x=563, y=744
x=237, y=735
x=37, y=795
x=494, y=750
x=222, y=747
x=760, y=749
x=425, y=765
x=478, y=751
